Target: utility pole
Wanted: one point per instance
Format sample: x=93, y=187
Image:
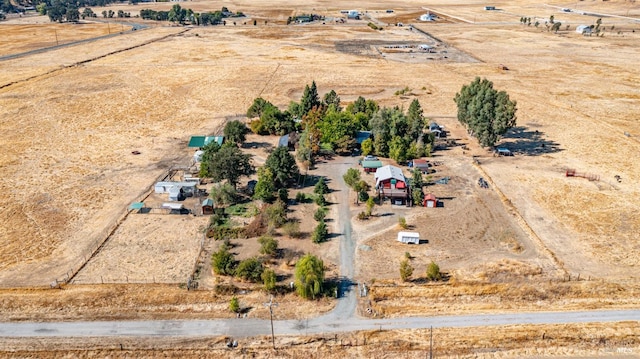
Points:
x=56, y=32
x=431, y=345
x=271, y=304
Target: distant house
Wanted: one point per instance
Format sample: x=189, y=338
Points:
x=207, y=206
x=437, y=130
x=421, y=164
x=584, y=29
x=430, y=201
x=353, y=14
x=428, y=17
x=391, y=183
x=489, y=8
x=201, y=141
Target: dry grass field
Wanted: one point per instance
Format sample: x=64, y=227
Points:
x=70, y=119
x=619, y=340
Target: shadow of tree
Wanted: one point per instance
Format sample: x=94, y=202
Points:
x=521, y=140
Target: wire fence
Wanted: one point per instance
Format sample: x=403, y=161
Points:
x=100, y=238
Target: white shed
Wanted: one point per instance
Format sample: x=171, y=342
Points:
x=583, y=29
x=409, y=237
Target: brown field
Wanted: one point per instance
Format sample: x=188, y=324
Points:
x=619, y=340
x=70, y=118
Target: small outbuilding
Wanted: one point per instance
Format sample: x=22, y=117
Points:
x=422, y=165
x=201, y=141
x=409, y=237
x=207, y=206
x=430, y=201
x=197, y=156
x=371, y=165
x=584, y=29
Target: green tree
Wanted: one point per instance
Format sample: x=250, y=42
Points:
x=283, y=166
x=234, y=304
x=433, y=271
x=269, y=279
x=367, y=147
x=309, y=274
x=402, y=222
x=268, y=246
x=223, y=262
x=235, y=132
x=265, y=187
x=417, y=196
x=406, y=270
x=370, y=204
x=416, y=120
x=208, y=151
x=72, y=14
x=276, y=214
x=321, y=187
x=310, y=99
x=398, y=149
x=41, y=8
x=223, y=194
x=229, y=163
x=250, y=269
x=332, y=99
x=320, y=214
x=320, y=200
x=87, y=12
x=487, y=113
x=351, y=177
x=257, y=107
x=283, y=195
x=416, y=180
x=320, y=233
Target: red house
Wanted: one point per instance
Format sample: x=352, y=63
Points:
x=391, y=183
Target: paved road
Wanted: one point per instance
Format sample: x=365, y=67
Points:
x=253, y=327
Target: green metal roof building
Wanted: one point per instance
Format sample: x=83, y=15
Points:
x=371, y=166
x=201, y=141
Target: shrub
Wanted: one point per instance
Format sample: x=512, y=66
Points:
x=301, y=197
x=363, y=196
x=370, y=204
x=219, y=233
x=269, y=279
x=276, y=214
x=226, y=289
x=402, y=222
x=223, y=262
x=406, y=270
x=320, y=200
x=250, y=269
x=433, y=272
x=362, y=216
x=320, y=214
x=320, y=233
x=268, y=246
x=234, y=304
x=292, y=229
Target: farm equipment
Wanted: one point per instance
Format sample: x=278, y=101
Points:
x=590, y=176
x=483, y=183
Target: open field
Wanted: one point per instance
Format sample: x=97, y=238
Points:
x=619, y=340
x=67, y=132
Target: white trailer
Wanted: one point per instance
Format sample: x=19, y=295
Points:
x=409, y=237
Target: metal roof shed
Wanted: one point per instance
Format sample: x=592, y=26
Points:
x=201, y=141
x=409, y=237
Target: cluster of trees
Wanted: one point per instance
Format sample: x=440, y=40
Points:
x=485, y=112
x=59, y=10
x=398, y=135
x=182, y=16
x=326, y=125
x=227, y=162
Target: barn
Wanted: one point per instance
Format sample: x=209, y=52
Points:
x=430, y=201
x=391, y=183
x=409, y=237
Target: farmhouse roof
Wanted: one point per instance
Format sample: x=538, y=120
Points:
x=201, y=141
x=389, y=172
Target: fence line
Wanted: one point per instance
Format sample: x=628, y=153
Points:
x=103, y=236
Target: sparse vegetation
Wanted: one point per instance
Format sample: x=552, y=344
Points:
x=234, y=304
x=406, y=270
x=402, y=223
x=433, y=272
x=268, y=246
